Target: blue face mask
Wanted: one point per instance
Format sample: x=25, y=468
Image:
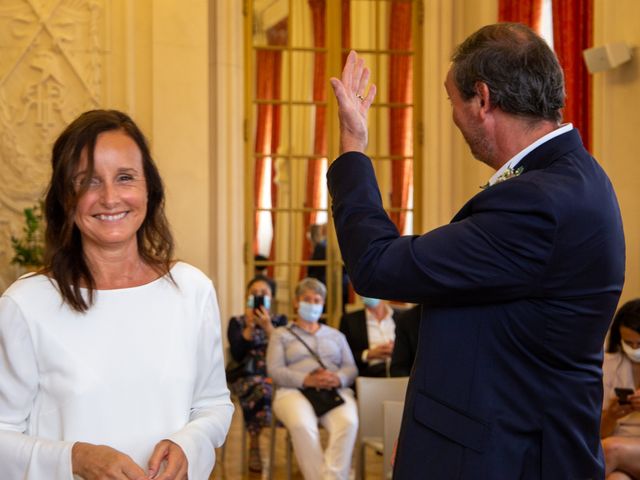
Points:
x=310, y=312
x=370, y=302
x=251, y=302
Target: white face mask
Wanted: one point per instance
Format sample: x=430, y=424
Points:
x=632, y=353
x=311, y=312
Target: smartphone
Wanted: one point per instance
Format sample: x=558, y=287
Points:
x=623, y=394
x=258, y=301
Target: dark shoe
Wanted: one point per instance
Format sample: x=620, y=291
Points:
x=255, y=462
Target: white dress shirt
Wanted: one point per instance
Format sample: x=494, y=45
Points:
x=513, y=161
x=379, y=332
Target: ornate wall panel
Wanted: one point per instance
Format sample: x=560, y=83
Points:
x=51, y=69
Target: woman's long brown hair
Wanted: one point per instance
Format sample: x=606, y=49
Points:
x=64, y=258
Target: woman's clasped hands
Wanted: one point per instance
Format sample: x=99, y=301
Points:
x=100, y=462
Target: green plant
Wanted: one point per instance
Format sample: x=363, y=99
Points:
x=29, y=249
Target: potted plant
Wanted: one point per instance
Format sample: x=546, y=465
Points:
x=29, y=249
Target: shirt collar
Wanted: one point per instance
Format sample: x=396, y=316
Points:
x=371, y=317
x=511, y=164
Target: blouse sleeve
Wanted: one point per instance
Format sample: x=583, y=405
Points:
x=212, y=409
x=23, y=456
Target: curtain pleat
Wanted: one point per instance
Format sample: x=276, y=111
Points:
x=521, y=11
x=572, y=33
x=400, y=118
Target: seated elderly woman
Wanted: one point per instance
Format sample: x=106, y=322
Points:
x=309, y=354
x=620, y=424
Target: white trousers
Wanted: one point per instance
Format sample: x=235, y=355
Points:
x=296, y=413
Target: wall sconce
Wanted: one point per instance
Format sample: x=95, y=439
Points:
x=606, y=57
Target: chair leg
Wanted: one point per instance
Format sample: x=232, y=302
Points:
x=272, y=446
x=243, y=451
x=289, y=451
x=361, y=460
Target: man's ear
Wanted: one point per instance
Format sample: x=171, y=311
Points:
x=482, y=90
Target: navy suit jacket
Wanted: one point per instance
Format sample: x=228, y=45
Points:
x=518, y=292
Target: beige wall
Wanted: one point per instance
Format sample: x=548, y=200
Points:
x=177, y=67
x=616, y=95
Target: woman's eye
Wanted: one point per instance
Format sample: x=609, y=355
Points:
x=94, y=182
x=125, y=178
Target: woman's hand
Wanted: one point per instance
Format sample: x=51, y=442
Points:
x=176, y=462
x=99, y=462
x=353, y=105
x=322, y=378
x=263, y=319
x=616, y=411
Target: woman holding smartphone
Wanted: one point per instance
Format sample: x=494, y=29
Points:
x=620, y=424
x=248, y=338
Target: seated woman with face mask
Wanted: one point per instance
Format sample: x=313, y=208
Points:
x=248, y=336
x=620, y=424
x=309, y=354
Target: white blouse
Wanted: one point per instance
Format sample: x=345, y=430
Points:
x=618, y=372
x=141, y=365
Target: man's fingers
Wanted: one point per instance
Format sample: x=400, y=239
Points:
x=370, y=96
x=347, y=72
x=339, y=90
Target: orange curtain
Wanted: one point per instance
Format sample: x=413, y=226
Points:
x=572, y=33
x=521, y=11
x=314, y=164
x=268, y=74
x=400, y=118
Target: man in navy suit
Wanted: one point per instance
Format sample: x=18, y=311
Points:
x=517, y=291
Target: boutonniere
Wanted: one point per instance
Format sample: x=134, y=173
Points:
x=506, y=175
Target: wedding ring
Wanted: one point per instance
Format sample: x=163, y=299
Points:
x=360, y=97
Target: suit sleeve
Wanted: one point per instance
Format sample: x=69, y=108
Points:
x=498, y=252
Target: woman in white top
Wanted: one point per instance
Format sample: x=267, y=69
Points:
x=331, y=366
x=111, y=363
x=620, y=424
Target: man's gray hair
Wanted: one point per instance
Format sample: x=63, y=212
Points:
x=312, y=284
x=522, y=73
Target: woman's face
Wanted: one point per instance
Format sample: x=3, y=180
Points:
x=630, y=337
x=308, y=296
x=114, y=206
x=260, y=289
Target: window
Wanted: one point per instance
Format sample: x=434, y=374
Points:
x=293, y=47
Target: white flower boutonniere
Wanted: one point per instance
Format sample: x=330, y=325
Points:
x=506, y=175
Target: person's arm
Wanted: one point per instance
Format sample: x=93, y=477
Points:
x=277, y=367
x=401, y=359
x=238, y=345
x=357, y=353
x=211, y=409
x=23, y=456
x=497, y=254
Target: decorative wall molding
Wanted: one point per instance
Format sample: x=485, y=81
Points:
x=51, y=70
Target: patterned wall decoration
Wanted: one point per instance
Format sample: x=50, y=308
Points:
x=51, y=69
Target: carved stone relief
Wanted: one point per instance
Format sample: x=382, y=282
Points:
x=51, y=70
